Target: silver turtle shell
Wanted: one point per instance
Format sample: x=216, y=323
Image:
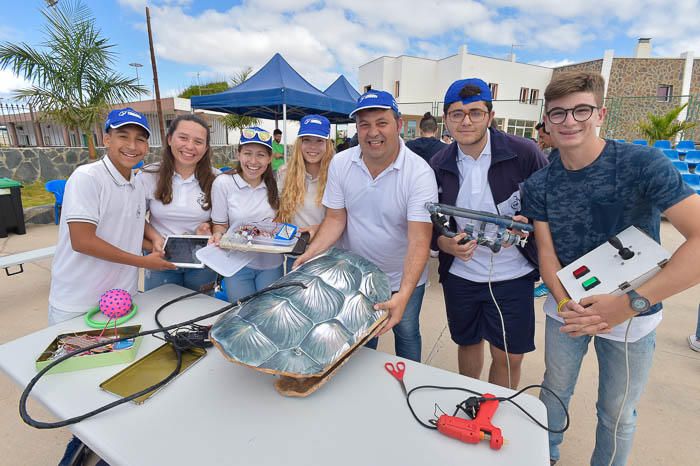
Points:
x=302, y=332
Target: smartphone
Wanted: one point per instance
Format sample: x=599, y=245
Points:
x=181, y=250
x=149, y=370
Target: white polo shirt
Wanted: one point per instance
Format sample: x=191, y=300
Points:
x=310, y=212
x=475, y=194
x=379, y=209
x=97, y=193
x=184, y=213
x=235, y=202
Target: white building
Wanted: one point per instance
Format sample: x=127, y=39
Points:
x=419, y=85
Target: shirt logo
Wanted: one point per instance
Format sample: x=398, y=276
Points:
x=200, y=200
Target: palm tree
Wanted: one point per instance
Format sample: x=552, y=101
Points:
x=233, y=120
x=664, y=127
x=71, y=78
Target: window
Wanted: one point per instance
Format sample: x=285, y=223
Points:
x=664, y=93
x=494, y=90
x=534, y=96
x=524, y=128
x=368, y=87
x=408, y=130
x=524, y=94
x=498, y=123
x=396, y=89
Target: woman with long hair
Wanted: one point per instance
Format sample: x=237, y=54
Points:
x=178, y=197
x=248, y=195
x=302, y=180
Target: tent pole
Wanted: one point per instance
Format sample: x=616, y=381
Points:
x=284, y=130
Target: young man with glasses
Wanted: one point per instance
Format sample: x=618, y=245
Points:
x=486, y=294
x=593, y=190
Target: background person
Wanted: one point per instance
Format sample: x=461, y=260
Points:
x=427, y=144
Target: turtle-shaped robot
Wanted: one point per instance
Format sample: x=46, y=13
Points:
x=305, y=334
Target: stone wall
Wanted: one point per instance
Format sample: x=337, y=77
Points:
x=632, y=92
x=593, y=66
x=29, y=164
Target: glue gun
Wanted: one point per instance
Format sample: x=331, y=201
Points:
x=474, y=430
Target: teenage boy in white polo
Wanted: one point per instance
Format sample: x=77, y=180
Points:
x=592, y=190
x=375, y=198
x=101, y=230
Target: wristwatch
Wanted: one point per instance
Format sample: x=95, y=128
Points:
x=638, y=303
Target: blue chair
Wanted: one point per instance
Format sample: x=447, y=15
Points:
x=685, y=146
x=663, y=144
x=138, y=166
x=692, y=158
x=224, y=169
x=671, y=154
x=681, y=166
x=692, y=179
x=620, y=140
x=56, y=187
x=640, y=142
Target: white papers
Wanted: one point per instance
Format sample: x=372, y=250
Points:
x=222, y=261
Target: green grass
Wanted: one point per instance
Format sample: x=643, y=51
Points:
x=35, y=194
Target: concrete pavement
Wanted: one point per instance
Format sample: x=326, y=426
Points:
x=668, y=422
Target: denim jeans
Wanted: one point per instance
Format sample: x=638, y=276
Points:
x=697, y=329
x=193, y=279
x=563, y=356
x=247, y=281
x=407, y=337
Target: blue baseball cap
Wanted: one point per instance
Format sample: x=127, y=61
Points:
x=256, y=135
x=452, y=94
x=376, y=99
x=315, y=125
x=126, y=116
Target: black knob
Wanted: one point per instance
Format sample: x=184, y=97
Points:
x=624, y=252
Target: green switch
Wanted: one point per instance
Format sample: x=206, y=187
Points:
x=590, y=283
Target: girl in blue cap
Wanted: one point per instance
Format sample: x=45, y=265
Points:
x=303, y=180
x=248, y=194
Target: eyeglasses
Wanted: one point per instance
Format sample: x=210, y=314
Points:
x=579, y=113
x=475, y=115
x=249, y=133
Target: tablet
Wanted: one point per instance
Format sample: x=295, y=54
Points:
x=181, y=250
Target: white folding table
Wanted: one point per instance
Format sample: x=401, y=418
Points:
x=218, y=412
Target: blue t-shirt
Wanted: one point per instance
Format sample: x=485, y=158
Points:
x=626, y=185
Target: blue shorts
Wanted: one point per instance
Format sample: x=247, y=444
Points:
x=473, y=317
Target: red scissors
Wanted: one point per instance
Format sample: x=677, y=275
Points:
x=397, y=372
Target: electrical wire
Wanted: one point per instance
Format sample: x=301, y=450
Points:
x=624, y=398
x=481, y=398
x=503, y=325
x=176, y=343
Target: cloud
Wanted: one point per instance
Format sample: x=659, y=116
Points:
x=322, y=38
x=553, y=63
x=10, y=82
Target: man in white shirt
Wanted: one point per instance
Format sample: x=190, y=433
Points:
x=375, y=199
x=487, y=295
x=101, y=229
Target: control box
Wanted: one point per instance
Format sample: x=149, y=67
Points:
x=623, y=263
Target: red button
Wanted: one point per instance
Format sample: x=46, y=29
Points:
x=581, y=271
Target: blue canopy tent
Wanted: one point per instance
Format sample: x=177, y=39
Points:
x=275, y=91
x=341, y=89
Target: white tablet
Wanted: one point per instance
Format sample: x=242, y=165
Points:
x=181, y=250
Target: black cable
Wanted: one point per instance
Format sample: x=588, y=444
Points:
x=481, y=399
x=176, y=347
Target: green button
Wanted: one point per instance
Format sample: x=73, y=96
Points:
x=590, y=283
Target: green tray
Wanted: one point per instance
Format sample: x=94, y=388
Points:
x=77, y=363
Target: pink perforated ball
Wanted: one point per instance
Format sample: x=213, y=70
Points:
x=115, y=303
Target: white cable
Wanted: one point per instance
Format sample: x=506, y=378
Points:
x=624, y=398
x=503, y=325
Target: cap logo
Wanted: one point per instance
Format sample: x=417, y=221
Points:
x=133, y=114
x=369, y=96
x=313, y=120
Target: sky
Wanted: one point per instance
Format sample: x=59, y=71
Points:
x=202, y=40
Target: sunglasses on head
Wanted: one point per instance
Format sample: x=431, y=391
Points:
x=249, y=133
